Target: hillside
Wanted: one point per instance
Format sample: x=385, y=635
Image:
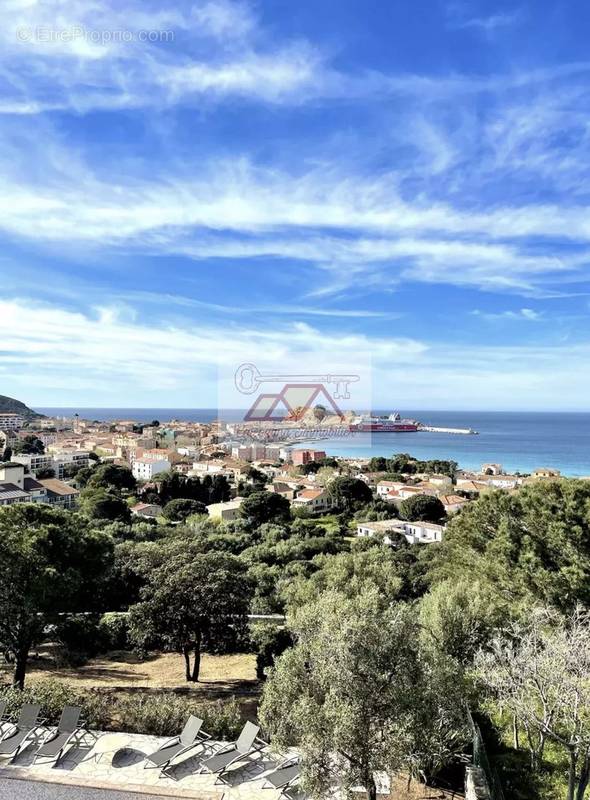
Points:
x=9, y=404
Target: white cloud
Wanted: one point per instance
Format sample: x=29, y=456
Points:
x=64, y=358
x=526, y=314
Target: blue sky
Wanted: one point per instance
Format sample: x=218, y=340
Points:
x=310, y=185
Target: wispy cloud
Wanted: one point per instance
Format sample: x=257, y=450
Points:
x=61, y=357
x=523, y=314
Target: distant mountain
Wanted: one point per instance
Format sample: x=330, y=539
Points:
x=10, y=405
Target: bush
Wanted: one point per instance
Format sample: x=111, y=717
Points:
x=153, y=715
x=79, y=638
x=165, y=715
x=52, y=696
x=113, y=630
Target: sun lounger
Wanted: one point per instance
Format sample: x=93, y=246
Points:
x=56, y=742
x=231, y=754
x=190, y=737
x=284, y=776
x=27, y=724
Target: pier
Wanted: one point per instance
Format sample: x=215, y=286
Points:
x=460, y=431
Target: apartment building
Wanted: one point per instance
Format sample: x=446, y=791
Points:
x=300, y=457
x=146, y=470
x=16, y=487
x=10, y=421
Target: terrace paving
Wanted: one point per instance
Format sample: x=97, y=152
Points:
x=122, y=768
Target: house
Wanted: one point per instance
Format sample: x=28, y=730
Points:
x=35, y=489
x=12, y=472
x=225, y=511
x=315, y=500
x=414, y=532
x=502, y=481
x=59, y=493
x=34, y=462
x=147, y=510
x=491, y=469
x=471, y=486
x=404, y=492
x=384, y=487
x=440, y=480
x=208, y=467
x=452, y=502
x=7, y=439
x=145, y=470
x=60, y=462
x=545, y=473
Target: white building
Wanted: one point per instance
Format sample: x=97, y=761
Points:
x=16, y=487
x=414, y=532
x=145, y=470
x=225, y=511
x=315, y=500
x=10, y=421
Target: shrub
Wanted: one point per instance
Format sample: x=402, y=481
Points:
x=79, y=637
x=51, y=695
x=113, y=630
x=150, y=714
x=165, y=715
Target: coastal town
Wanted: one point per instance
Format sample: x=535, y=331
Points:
x=42, y=457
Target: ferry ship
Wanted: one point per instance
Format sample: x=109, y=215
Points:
x=390, y=424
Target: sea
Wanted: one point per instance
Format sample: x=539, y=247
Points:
x=520, y=441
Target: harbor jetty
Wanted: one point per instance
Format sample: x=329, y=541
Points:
x=434, y=429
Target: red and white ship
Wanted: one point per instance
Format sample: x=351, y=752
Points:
x=390, y=424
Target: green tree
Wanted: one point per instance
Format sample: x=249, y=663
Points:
x=377, y=464
x=112, y=477
x=355, y=687
x=349, y=493
x=45, y=472
x=101, y=504
x=348, y=574
x=29, y=445
x=540, y=672
x=422, y=508
x=458, y=617
x=180, y=509
x=50, y=562
x=190, y=599
x=533, y=544
x=261, y=507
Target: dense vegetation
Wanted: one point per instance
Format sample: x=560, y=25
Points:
x=384, y=647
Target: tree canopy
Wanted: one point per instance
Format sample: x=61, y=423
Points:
x=261, y=507
x=189, y=599
x=422, y=508
x=348, y=493
x=180, y=509
x=532, y=544
x=50, y=562
x=356, y=691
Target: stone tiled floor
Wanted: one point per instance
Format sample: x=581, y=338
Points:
x=123, y=767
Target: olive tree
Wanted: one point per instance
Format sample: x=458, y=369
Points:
x=356, y=696
x=540, y=672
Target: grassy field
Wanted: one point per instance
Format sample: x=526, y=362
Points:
x=161, y=670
